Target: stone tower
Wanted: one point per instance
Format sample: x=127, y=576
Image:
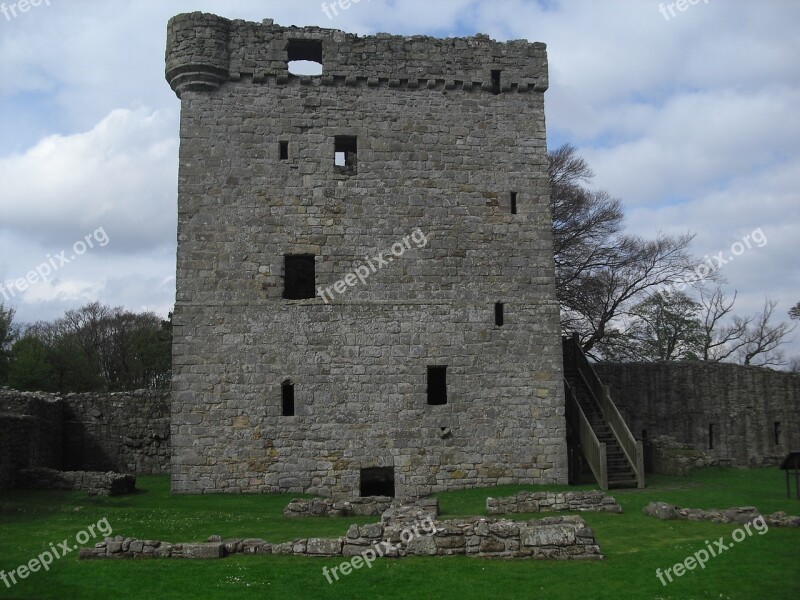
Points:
x=365, y=282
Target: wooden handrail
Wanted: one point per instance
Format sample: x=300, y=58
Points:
x=632, y=449
x=593, y=449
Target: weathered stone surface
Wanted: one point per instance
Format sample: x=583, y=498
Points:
x=523, y=502
x=438, y=160
x=740, y=515
x=204, y=551
x=323, y=547
x=125, y=432
x=366, y=506
x=681, y=400
x=94, y=483
x=547, y=535
x=553, y=537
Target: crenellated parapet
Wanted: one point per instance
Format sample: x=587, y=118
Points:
x=204, y=51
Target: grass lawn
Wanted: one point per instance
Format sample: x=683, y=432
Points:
x=760, y=566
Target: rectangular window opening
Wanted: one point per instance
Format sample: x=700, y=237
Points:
x=287, y=399
x=496, y=82
x=284, y=150
x=299, y=277
x=644, y=434
x=345, y=157
x=777, y=432
x=437, y=386
x=498, y=314
x=377, y=481
x=304, y=57
x=710, y=436
x=513, y=203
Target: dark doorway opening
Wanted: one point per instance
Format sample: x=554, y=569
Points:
x=377, y=481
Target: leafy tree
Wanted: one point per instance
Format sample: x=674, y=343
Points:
x=794, y=312
x=98, y=348
x=30, y=368
x=663, y=327
x=7, y=337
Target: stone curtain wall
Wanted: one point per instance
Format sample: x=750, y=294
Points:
x=681, y=400
x=124, y=432
x=31, y=430
x=442, y=142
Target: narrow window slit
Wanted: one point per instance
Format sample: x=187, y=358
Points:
x=284, y=150
x=437, y=385
x=513, y=203
x=496, y=82
x=287, y=399
x=499, y=309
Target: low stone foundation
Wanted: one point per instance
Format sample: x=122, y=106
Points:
x=403, y=531
x=670, y=457
x=368, y=506
x=532, y=502
x=740, y=515
x=96, y=483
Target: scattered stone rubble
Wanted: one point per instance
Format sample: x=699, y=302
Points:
x=741, y=515
x=96, y=483
x=402, y=531
x=367, y=506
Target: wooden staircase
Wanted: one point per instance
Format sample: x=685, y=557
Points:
x=615, y=457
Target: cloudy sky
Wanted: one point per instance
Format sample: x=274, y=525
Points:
x=690, y=116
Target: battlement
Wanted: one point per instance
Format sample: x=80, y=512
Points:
x=204, y=51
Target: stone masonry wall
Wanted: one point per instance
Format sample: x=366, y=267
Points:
x=533, y=502
x=731, y=413
x=361, y=507
x=96, y=483
x=449, y=134
x=555, y=538
x=124, y=432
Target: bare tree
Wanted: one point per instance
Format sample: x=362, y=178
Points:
x=763, y=340
x=601, y=272
x=722, y=334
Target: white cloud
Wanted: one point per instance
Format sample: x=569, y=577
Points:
x=692, y=122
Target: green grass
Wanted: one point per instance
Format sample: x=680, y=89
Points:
x=762, y=566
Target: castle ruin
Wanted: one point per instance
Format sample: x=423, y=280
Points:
x=365, y=281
